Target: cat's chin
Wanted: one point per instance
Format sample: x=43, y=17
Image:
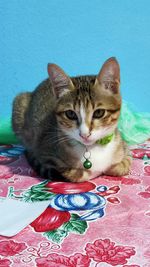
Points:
x=87, y=142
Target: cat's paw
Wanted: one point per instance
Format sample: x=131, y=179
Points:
x=77, y=175
x=120, y=169
x=85, y=177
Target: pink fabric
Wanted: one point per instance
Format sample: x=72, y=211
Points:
x=104, y=222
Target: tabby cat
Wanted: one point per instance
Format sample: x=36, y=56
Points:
x=63, y=121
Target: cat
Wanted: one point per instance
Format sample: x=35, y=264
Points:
x=60, y=122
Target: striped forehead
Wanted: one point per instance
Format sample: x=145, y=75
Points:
x=83, y=113
x=84, y=126
x=85, y=118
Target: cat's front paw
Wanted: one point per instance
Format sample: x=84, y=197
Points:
x=120, y=169
x=77, y=175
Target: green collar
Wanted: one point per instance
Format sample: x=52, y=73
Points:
x=105, y=140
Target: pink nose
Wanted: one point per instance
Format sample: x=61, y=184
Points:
x=84, y=136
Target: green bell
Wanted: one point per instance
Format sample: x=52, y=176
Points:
x=87, y=164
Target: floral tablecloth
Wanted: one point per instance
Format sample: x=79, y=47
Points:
x=103, y=222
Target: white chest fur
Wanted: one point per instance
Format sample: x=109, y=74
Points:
x=101, y=157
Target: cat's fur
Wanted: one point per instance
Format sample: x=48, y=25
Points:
x=55, y=144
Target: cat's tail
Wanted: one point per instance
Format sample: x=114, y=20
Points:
x=20, y=108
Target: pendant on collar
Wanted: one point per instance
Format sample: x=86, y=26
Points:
x=87, y=164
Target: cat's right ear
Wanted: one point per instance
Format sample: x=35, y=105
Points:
x=60, y=80
x=109, y=76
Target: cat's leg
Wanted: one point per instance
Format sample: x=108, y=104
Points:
x=49, y=172
x=121, y=168
x=76, y=175
x=39, y=168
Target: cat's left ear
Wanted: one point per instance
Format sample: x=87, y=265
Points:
x=109, y=76
x=60, y=80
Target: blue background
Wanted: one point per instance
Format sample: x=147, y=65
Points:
x=78, y=35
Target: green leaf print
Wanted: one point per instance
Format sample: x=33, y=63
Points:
x=75, y=225
x=56, y=236
x=37, y=193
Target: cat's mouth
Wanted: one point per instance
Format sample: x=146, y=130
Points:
x=87, y=142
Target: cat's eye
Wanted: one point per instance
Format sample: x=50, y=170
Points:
x=98, y=113
x=71, y=115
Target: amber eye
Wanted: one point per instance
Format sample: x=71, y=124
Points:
x=71, y=115
x=98, y=113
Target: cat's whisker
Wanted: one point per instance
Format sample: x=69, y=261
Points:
x=60, y=140
x=49, y=137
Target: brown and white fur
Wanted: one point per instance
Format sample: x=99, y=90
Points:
x=64, y=116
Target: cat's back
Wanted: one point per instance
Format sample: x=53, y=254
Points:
x=42, y=102
x=42, y=96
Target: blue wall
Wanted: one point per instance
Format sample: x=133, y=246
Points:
x=78, y=35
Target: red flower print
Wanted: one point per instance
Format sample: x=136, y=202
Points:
x=6, y=175
x=10, y=173
x=110, y=191
x=10, y=248
x=147, y=189
x=130, y=181
x=103, y=250
x=79, y=260
x=56, y=260
x=145, y=194
x=147, y=170
x=50, y=219
x=5, y=263
x=123, y=180
x=113, y=200
x=53, y=260
x=140, y=153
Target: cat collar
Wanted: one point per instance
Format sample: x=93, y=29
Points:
x=87, y=164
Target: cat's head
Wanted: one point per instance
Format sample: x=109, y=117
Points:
x=87, y=107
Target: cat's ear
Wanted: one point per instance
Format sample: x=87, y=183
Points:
x=59, y=79
x=109, y=76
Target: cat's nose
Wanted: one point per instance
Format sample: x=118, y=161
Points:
x=85, y=135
